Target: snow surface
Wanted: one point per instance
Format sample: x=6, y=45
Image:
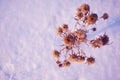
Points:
x=27, y=38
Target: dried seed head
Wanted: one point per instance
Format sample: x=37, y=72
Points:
x=59, y=30
x=96, y=43
x=66, y=63
x=72, y=58
x=81, y=59
x=93, y=29
x=69, y=40
x=91, y=19
x=105, y=16
x=58, y=62
x=80, y=35
x=79, y=15
x=90, y=60
x=104, y=39
x=68, y=47
x=84, y=8
x=64, y=27
x=56, y=54
x=101, y=41
x=60, y=65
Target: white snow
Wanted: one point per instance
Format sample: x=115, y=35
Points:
x=27, y=38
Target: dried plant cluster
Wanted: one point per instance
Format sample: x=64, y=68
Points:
x=71, y=49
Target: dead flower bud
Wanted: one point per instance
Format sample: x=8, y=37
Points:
x=59, y=31
x=64, y=27
x=79, y=15
x=69, y=40
x=91, y=18
x=93, y=29
x=58, y=62
x=72, y=58
x=60, y=65
x=84, y=8
x=55, y=54
x=96, y=43
x=80, y=35
x=104, y=39
x=80, y=59
x=90, y=60
x=66, y=63
x=105, y=16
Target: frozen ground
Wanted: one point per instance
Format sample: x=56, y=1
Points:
x=27, y=38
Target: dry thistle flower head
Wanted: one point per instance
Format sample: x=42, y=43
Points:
x=69, y=40
x=72, y=58
x=66, y=63
x=80, y=35
x=105, y=16
x=64, y=27
x=60, y=65
x=104, y=39
x=58, y=62
x=101, y=41
x=80, y=59
x=93, y=29
x=90, y=60
x=84, y=8
x=96, y=43
x=59, y=30
x=79, y=15
x=55, y=54
x=91, y=18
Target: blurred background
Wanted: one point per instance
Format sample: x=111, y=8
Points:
x=27, y=38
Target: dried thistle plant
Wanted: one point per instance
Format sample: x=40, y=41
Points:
x=71, y=50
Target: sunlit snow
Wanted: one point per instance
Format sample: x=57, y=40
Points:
x=27, y=38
